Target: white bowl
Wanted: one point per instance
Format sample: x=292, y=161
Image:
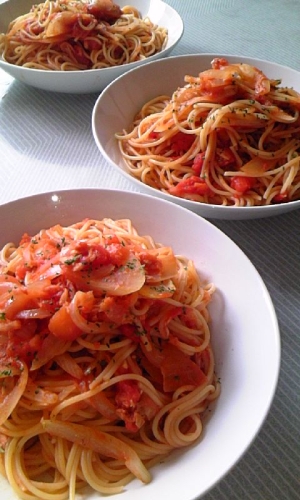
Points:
x=116, y=107
x=244, y=327
x=88, y=81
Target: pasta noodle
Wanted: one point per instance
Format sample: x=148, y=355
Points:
x=229, y=136
x=80, y=34
x=106, y=362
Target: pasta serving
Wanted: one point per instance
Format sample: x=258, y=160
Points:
x=80, y=34
x=229, y=136
x=106, y=361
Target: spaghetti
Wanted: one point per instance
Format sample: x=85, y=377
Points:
x=106, y=363
x=229, y=136
x=80, y=34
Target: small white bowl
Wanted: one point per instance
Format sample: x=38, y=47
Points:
x=244, y=327
x=116, y=107
x=89, y=81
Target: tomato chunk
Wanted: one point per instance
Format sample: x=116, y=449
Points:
x=86, y=254
x=128, y=393
x=154, y=135
x=131, y=331
x=242, y=184
x=80, y=56
x=117, y=309
x=198, y=163
x=191, y=185
x=280, y=197
x=150, y=262
x=62, y=326
x=119, y=254
x=182, y=142
x=23, y=345
x=225, y=157
x=178, y=370
x=127, y=396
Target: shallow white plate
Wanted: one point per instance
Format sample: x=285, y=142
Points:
x=244, y=327
x=88, y=81
x=122, y=99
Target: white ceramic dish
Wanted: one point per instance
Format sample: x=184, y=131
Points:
x=82, y=82
x=244, y=327
x=121, y=100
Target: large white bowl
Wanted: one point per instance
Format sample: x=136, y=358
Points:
x=116, y=107
x=244, y=327
x=88, y=81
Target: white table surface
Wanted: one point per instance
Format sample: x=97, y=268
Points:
x=46, y=144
